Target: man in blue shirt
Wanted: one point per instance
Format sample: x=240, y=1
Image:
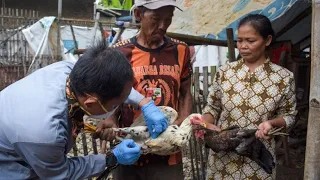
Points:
x=41, y=115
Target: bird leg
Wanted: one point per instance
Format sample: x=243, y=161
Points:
x=272, y=132
x=276, y=132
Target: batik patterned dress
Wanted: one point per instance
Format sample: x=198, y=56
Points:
x=244, y=98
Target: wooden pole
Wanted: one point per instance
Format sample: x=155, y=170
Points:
x=74, y=38
x=94, y=10
x=59, y=8
x=117, y=36
x=96, y=26
x=312, y=160
x=106, y=22
x=231, y=45
x=59, y=33
x=197, y=40
x=102, y=33
x=189, y=39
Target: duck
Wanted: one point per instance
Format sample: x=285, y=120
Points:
x=239, y=140
x=167, y=143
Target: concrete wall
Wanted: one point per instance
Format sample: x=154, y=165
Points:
x=70, y=8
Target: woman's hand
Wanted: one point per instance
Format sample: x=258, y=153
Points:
x=104, y=130
x=209, y=121
x=263, y=129
x=213, y=127
x=200, y=121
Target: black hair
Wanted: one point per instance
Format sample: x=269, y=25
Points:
x=260, y=23
x=101, y=70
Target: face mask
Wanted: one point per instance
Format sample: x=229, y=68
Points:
x=106, y=115
x=103, y=116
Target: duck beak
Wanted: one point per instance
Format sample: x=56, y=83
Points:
x=198, y=121
x=204, y=125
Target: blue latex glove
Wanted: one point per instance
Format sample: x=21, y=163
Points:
x=134, y=98
x=155, y=119
x=127, y=152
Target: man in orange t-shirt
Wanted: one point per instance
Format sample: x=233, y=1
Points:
x=163, y=72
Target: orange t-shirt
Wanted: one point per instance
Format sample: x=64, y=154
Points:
x=158, y=74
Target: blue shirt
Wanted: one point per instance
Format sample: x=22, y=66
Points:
x=35, y=133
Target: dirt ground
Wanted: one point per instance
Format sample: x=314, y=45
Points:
x=297, y=147
x=296, y=168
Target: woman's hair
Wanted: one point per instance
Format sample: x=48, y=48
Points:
x=260, y=23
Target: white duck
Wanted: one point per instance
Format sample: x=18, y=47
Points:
x=168, y=142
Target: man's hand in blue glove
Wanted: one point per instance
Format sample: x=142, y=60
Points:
x=155, y=119
x=127, y=152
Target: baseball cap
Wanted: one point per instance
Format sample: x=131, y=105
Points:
x=156, y=4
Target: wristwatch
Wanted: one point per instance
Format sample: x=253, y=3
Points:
x=111, y=164
x=111, y=160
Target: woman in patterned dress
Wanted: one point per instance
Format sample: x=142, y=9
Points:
x=251, y=93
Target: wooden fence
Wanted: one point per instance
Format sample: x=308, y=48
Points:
x=197, y=153
x=13, y=48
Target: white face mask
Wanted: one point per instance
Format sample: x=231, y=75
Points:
x=103, y=116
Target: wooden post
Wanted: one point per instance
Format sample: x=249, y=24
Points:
x=9, y=42
x=312, y=161
x=84, y=144
x=4, y=4
x=74, y=38
x=197, y=102
x=94, y=145
x=96, y=26
x=205, y=85
x=75, y=149
x=231, y=46
x=202, y=164
x=191, y=157
x=17, y=42
x=59, y=8
x=196, y=157
x=102, y=33
x=212, y=73
x=94, y=10
x=59, y=33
